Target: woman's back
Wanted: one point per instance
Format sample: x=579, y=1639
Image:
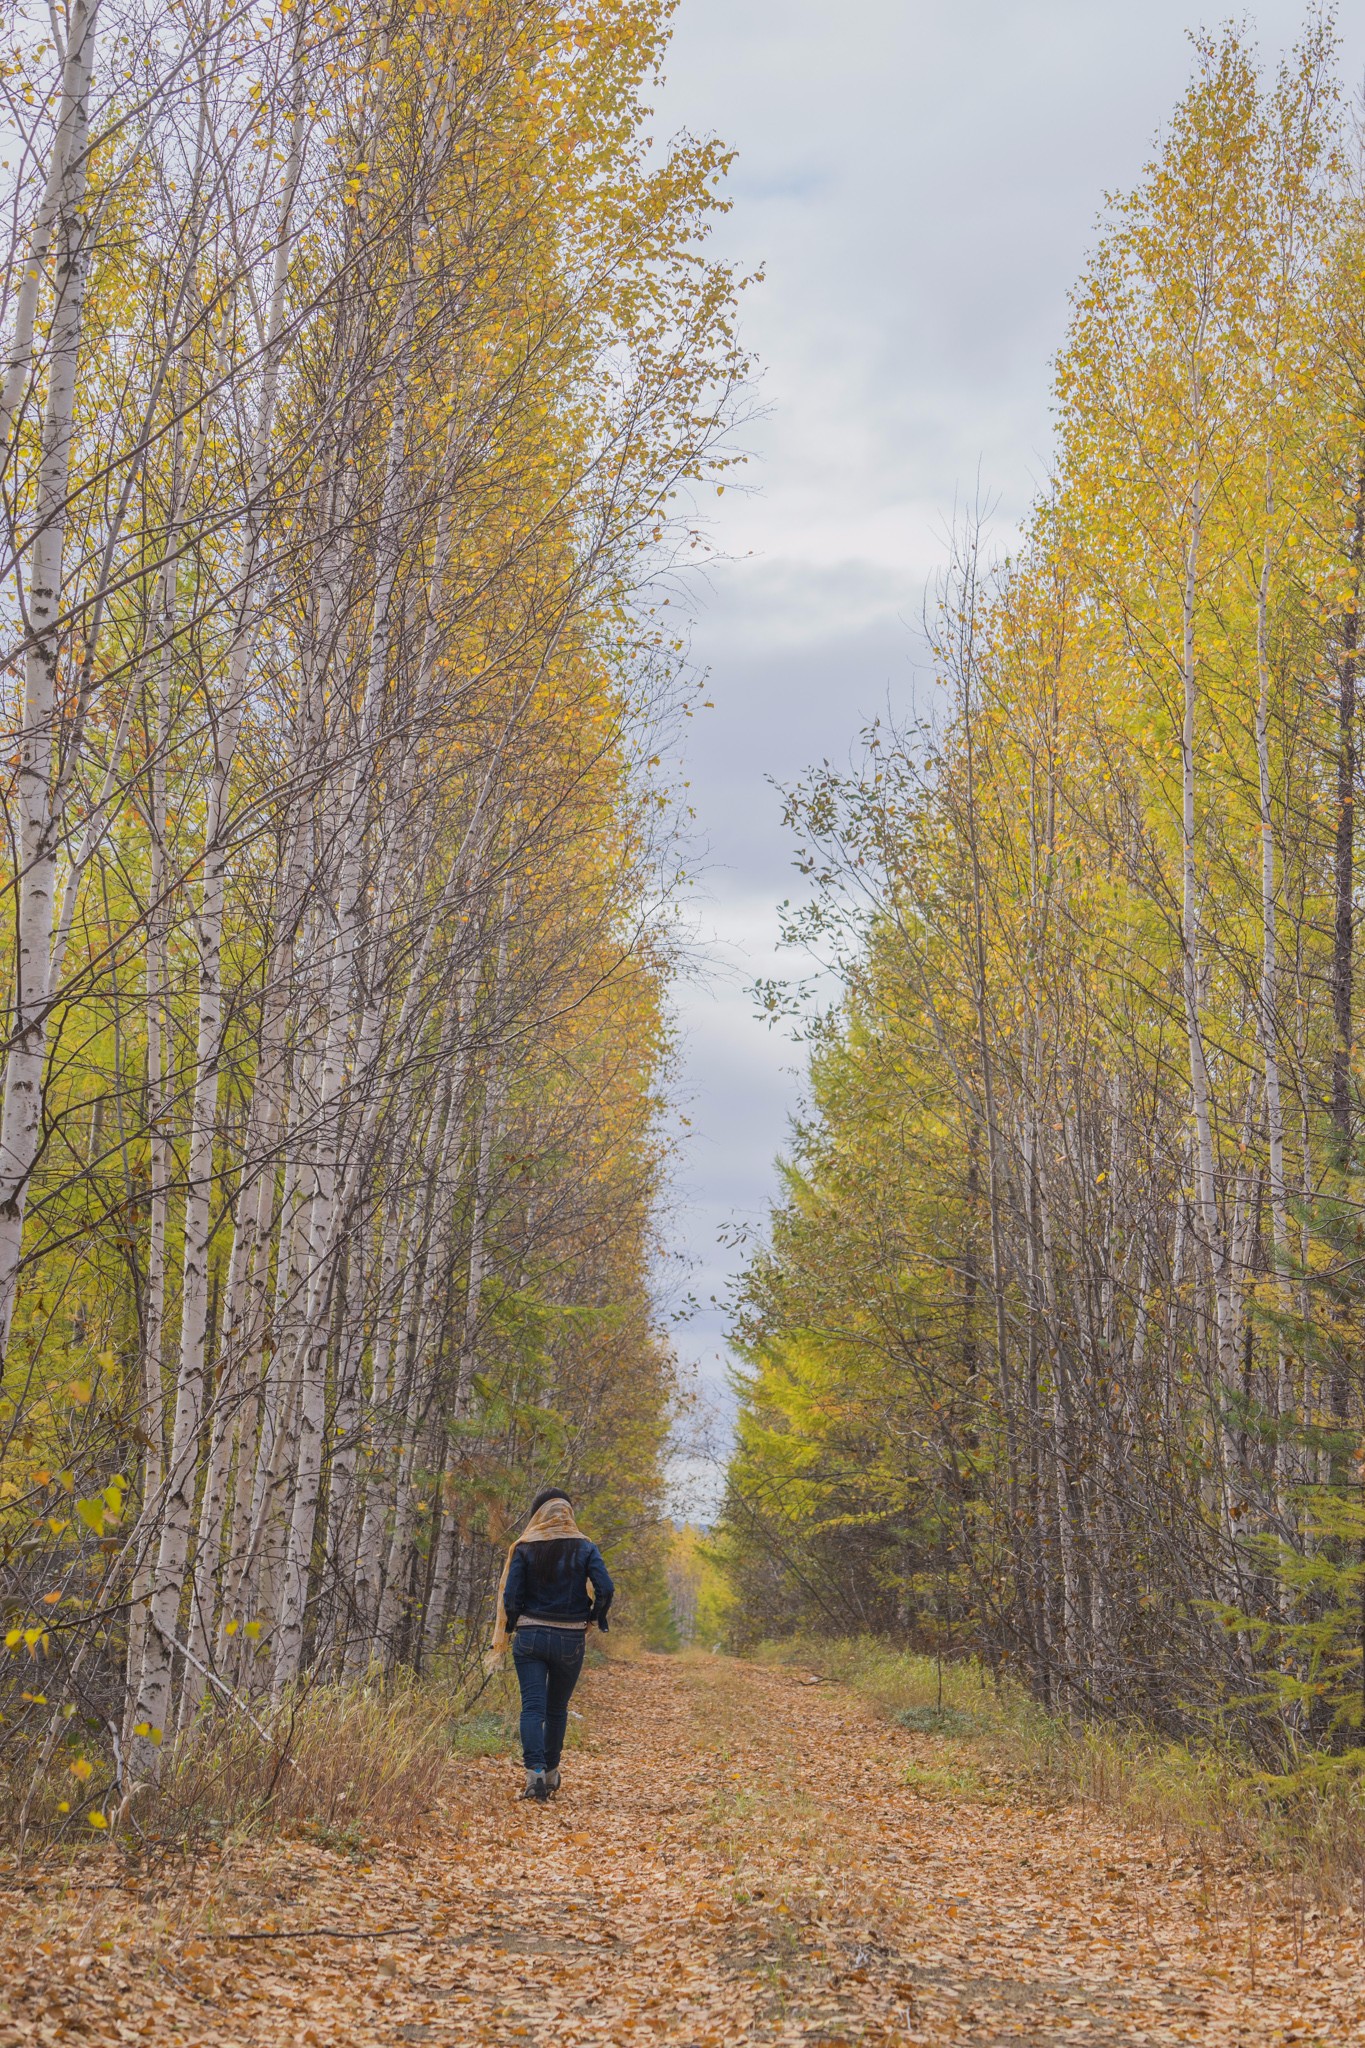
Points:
x=558, y=1579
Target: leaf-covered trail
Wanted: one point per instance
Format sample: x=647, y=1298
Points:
x=738, y=1856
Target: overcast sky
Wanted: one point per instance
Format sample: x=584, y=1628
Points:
x=920, y=179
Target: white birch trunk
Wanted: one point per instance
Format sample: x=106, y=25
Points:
x=369, y=1550
x=153, y=1420
x=416, y=1385
x=1269, y=1005
x=1191, y=950
x=66, y=179
x=21, y=1112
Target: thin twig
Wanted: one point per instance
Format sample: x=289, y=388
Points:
x=314, y=1934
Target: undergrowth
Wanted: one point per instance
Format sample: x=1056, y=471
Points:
x=1310, y=1827
x=340, y=1764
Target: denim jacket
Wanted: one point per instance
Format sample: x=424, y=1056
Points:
x=549, y=1582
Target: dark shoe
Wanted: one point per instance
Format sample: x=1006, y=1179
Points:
x=552, y=1782
x=534, y=1787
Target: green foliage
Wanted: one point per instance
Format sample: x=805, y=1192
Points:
x=859, y=1465
x=1309, y=1634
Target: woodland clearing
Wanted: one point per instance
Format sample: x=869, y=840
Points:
x=740, y=1854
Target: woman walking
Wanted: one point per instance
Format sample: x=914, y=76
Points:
x=554, y=1584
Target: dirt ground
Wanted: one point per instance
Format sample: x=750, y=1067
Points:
x=739, y=1854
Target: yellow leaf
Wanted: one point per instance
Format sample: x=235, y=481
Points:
x=97, y=1819
x=82, y=1769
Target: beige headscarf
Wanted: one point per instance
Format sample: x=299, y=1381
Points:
x=555, y=1519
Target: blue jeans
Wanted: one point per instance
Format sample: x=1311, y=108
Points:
x=548, y=1662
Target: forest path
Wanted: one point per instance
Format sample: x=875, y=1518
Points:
x=740, y=1855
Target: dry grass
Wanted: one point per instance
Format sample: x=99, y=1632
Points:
x=345, y=1764
x=338, y=1760
x=1311, y=1831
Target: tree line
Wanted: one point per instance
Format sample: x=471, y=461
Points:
x=1055, y=1351
x=361, y=367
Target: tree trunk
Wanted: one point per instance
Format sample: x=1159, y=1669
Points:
x=21, y=1112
